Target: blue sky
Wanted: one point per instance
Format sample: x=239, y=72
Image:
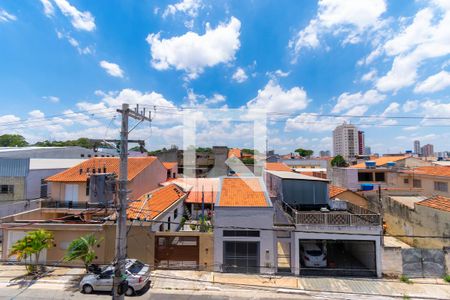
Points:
x=67, y=64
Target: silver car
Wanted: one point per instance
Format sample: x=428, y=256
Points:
x=137, y=273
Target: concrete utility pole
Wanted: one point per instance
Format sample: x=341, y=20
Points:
x=121, y=230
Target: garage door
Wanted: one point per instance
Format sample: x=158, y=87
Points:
x=177, y=252
x=241, y=257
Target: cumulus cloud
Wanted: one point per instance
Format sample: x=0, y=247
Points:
x=434, y=83
x=112, y=68
x=6, y=16
x=52, y=99
x=369, y=76
x=80, y=20
x=410, y=105
x=336, y=16
x=394, y=107
x=311, y=122
x=357, y=102
x=240, y=75
x=273, y=98
x=49, y=9
x=192, y=52
x=188, y=7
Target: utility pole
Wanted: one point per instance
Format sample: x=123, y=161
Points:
x=121, y=230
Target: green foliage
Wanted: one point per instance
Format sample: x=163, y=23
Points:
x=138, y=149
x=82, y=248
x=248, y=161
x=248, y=151
x=182, y=221
x=192, y=226
x=405, y=279
x=447, y=278
x=81, y=142
x=338, y=161
x=204, y=150
x=12, y=140
x=304, y=152
x=154, y=153
x=32, y=245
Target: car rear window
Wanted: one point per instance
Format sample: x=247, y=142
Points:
x=136, y=267
x=314, y=252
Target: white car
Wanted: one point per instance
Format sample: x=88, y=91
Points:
x=313, y=256
x=137, y=273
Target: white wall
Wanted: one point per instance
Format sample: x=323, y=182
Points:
x=246, y=217
x=169, y=213
x=33, y=182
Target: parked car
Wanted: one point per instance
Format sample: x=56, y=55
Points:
x=313, y=256
x=138, y=276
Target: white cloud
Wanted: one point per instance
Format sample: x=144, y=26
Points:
x=425, y=38
x=49, y=9
x=311, y=122
x=394, y=107
x=280, y=73
x=272, y=98
x=192, y=52
x=202, y=101
x=80, y=20
x=435, y=109
x=369, y=76
x=52, y=99
x=434, y=83
x=112, y=68
x=74, y=43
x=188, y=7
x=5, y=119
x=410, y=105
x=6, y=16
x=240, y=75
x=351, y=101
x=336, y=16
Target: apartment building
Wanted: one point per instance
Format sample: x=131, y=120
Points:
x=427, y=150
x=345, y=141
x=361, y=142
x=417, y=149
x=431, y=180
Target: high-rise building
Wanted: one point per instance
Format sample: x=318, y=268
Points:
x=324, y=153
x=361, y=143
x=345, y=141
x=427, y=150
x=417, y=147
x=367, y=150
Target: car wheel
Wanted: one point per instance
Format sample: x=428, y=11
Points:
x=129, y=291
x=87, y=289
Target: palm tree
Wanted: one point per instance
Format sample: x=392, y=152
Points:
x=82, y=248
x=32, y=244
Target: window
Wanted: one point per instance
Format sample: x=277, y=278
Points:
x=82, y=155
x=365, y=176
x=417, y=183
x=249, y=233
x=175, y=213
x=441, y=186
x=405, y=180
x=88, y=185
x=89, y=155
x=168, y=223
x=379, y=177
x=161, y=227
x=6, y=189
x=43, y=188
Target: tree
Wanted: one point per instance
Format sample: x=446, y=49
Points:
x=338, y=161
x=32, y=245
x=12, y=140
x=304, y=152
x=83, y=248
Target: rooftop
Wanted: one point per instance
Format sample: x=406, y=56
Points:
x=198, y=188
x=277, y=166
x=152, y=204
x=436, y=202
x=234, y=152
x=408, y=200
x=296, y=176
x=53, y=163
x=111, y=164
x=381, y=161
x=169, y=165
x=242, y=192
x=430, y=170
x=335, y=190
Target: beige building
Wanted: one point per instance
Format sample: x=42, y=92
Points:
x=337, y=192
x=409, y=216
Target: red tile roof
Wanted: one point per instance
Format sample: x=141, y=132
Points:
x=437, y=202
x=242, y=192
x=234, y=152
x=169, y=165
x=198, y=186
x=277, y=166
x=381, y=161
x=112, y=165
x=431, y=170
x=152, y=204
x=335, y=190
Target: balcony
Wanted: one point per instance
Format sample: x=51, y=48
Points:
x=353, y=216
x=70, y=204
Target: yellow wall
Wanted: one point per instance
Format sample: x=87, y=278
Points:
x=19, y=188
x=427, y=189
x=353, y=198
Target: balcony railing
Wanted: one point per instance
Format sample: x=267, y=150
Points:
x=69, y=204
x=353, y=216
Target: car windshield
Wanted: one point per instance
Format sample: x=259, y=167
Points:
x=136, y=267
x=314, y=252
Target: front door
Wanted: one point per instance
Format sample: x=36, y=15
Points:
x=71, y=193
x=241, y=257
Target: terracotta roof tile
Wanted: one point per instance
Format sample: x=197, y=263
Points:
x=112, y=165
x=169, y=165
x=335, y=190
x=277, y=166
x=381, y=161
x=431, y=170
x=242, y=192
x=234, y=152
x=437, y=202
x=151, y=204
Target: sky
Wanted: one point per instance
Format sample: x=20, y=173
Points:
x=67, y=65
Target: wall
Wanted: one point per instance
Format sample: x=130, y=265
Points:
x=34, y=182
x=168, y=213
x=261, y=217
x=345, y=177
x=305, y=192
x=354, y=198
x=57, y=191
x=19, y=188
x=427, y=188
x=12, y=208
x=148, y=180
x=392, y=261
x=47, y=152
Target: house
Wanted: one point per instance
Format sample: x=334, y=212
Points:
x=162, y=207
x=277, y=166
x=431, y=180
x=24, y=178
x=418, y=216
x=70, y=187
x=337, y=192
x=243, y=227
x=347, y=236
x=234, y=152
x=172, y=169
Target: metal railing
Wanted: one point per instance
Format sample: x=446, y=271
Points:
x=69, y=204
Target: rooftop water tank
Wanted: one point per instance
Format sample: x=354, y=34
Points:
x=391, y=164
x=366, y=186
x=370, y=164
